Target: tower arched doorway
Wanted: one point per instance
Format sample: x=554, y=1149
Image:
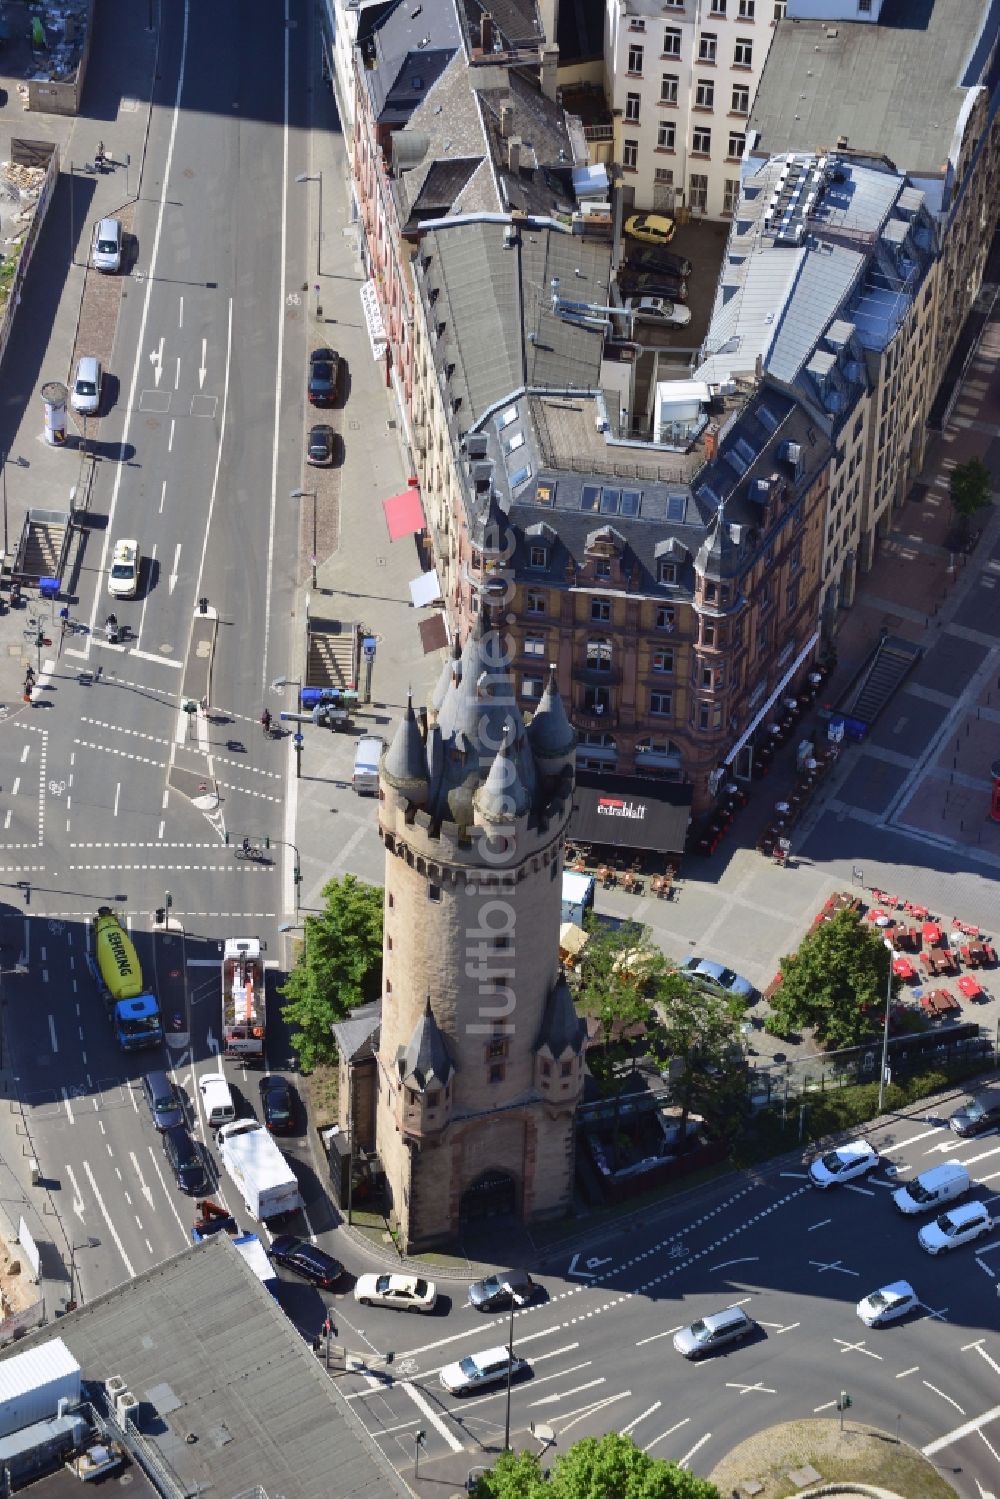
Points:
x=492, y=1195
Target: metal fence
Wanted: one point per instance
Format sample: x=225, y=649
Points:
x=951, y=1052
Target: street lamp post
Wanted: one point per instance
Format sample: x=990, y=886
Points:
x=885, y=1028
x=316, y=177
x=515, y=1300
x=306, y=494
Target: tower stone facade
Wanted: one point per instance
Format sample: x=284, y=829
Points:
x=481, y=1053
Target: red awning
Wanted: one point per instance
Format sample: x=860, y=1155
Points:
x=404, y=514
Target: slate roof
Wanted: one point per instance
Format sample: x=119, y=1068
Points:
x=896, y=87
x=408, y=52
x=206, y=1345
x=516, y=22
x=562, y=1028
x=353, y=1035
x=477, y=287
x=424, y=1062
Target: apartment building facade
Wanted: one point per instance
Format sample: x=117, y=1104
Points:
x=681, y=78
x=673, y=583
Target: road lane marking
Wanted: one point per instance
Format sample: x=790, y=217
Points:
x=565, y=1394
x=173, y=1208
x=657, y=1335
x=160, y=660
x=904, y=1372
x=107, y=1218
x=958, y=1432
x=683, y=1462
x=936, y=1391
x=77, y=1197
x=163, y=495
x=668, y=1433
x=428, y=1410
x=55, y=1047
x=821, y=1224
x=647, y=1412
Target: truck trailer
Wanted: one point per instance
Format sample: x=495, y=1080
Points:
x=132, y=1009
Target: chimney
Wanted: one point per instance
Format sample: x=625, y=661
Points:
x=514, y=154
x=486, y=32
x=548, y=57
x=506, y=119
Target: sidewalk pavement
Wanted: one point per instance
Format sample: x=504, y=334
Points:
x=42, y=341
x=362, y=577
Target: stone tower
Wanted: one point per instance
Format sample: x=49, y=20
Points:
x=480, y=1063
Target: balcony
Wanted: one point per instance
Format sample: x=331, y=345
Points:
x=586, y=718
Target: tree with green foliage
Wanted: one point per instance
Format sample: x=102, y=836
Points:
x=608, y=1467
x=339, y=967
x=700, y=1036
x=835, y=984
x=619, y=971
x=970, y=490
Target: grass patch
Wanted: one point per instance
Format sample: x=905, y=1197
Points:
x=859, y=1454
x=322, y=1091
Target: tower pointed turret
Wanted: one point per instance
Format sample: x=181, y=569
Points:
x=550, y=733
x=405, y=762
x=503, y=795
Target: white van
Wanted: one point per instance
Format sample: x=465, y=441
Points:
x=367, y=756
x=216, y=1099
x=933, y=1188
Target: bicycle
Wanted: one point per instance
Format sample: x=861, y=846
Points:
x=254, y=855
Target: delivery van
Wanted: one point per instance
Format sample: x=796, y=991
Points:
x=367, y=757
x=216, y=1100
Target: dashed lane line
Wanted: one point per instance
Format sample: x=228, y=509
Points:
x=107, y=749
x=246, y=791
x=215, y=846
x=248, y=867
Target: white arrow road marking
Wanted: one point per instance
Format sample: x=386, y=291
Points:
x=156, y=360
x=564, y=1394
x=145, y=1190
x=432, y=1415
x=587, y=1410
x=77, y=1199
x=202, y=372
x=107, y=1218
x=172, y=580
x=185, y=1231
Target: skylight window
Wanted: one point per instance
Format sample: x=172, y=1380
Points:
x=506, y=417
x=676, y=506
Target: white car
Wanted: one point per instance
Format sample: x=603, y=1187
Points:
x=123, y=579
x=959, y=1225
x=659, y=310
x=407, y=1293
x=106, y=254
x=843, y=1164
x=888, y=1304
x=481, y=1370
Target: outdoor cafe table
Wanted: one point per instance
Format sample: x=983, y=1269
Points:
x=932, y=933
x=903, y=968
x=939, y=1002
x=969, y=987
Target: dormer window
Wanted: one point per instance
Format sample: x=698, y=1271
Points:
x=539, y=558
x=602, y=567
x=667, y=573
x=711, y=593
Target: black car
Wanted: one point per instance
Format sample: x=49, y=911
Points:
x=655, y=258
x=184, y=1158
x=324, y=367
x=277, y=1105
x=652, y=284
x=493, y=1293
x=321, y=445
x=979, y=1113
x=313, y=1264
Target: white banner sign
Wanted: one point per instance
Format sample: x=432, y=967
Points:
x=30, y=1248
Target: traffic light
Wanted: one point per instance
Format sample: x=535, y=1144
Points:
x=267, y=840
x=40, y=639
x=161, y=916
x=168, y=899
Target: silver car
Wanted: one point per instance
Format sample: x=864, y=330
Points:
x=709, y=1334
x=481, y=1370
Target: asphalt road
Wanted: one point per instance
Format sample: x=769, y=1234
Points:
x=201, y=441
x=797, y=1259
